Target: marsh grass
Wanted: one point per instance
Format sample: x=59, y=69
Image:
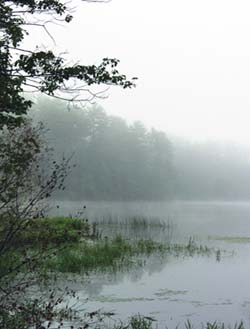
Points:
x=213, y=325
x=136, y=221
x=136, y=227
x=114, y=254
x=143, y=322
x=140, y=322
x=191, y=248
x=76, y=247
x=101, y=254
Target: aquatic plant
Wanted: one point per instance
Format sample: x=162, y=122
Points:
x=214, y=325
x=101, y=254
x=134, y=221
x=140, y=322
x=104, y=254
x=144, y=322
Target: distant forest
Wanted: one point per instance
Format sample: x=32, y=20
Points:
x=115, y=160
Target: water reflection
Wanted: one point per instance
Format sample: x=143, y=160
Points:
x=171, y=288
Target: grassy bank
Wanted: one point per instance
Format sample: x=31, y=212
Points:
x=75, y=246
x=59, y=230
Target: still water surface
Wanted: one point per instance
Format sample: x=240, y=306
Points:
x=174, y=289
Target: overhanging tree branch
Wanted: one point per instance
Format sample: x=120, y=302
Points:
x=49, y=73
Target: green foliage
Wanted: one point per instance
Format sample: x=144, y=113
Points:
x=24, y=186
x=140, y=322
x=101, y=254
x=9, y=260
x=41, y=70
x=114, y=253
x=57, y=231
x=87, y=256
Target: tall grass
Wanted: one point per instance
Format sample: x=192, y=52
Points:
x=112, y=254
x=101, y=254
x=143, y=322
x=135, y=221
x=74, y=247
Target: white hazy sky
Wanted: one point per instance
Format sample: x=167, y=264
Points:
x=192, y=59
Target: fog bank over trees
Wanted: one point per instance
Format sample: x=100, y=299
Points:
x=212, y=171
x=115, y=160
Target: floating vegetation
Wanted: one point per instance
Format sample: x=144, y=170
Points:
x=231, y=239
x=114, y=299
x=168, y=292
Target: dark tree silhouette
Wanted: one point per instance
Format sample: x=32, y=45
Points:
x=42, y=70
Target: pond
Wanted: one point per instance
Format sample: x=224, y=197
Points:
x=173, y=289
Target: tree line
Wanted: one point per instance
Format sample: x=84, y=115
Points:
x=115, y=160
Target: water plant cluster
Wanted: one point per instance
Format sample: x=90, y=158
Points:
x=75, y=246
x=134, y=221
x=102, y=254
x=79, y=247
